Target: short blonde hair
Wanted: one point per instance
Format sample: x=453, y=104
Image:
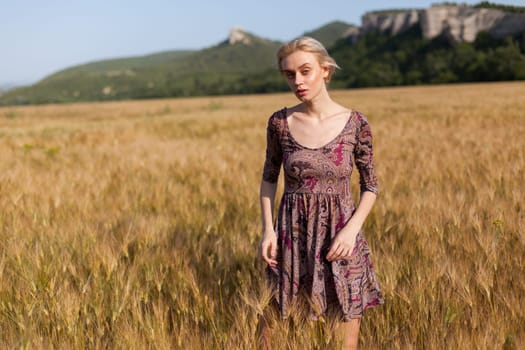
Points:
x=311, y=45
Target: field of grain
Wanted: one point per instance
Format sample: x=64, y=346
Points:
x=134, y=225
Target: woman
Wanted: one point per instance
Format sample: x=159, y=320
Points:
x=316, y=248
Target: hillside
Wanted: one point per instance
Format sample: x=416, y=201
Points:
x=214, y=70
x=120, y=64
x=330, y=33
x=243, y=63
x=379, y=59
x=445, y=43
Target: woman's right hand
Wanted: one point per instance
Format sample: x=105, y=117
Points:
x=268, y=248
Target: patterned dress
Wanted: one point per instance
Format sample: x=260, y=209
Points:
x=315, y=205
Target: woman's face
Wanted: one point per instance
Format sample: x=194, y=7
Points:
x=304, y=74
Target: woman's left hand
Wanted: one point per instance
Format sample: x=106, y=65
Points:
x=342, y=246
x=344, y=241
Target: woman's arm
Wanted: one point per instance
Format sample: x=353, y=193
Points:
x=272, y=167
x=268, y=243
x=343, y=243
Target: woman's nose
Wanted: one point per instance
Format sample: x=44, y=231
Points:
x=298, y=79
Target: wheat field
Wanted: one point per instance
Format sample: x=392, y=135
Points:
x=134, y=225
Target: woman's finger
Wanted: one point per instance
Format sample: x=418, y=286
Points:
x=330, y=251
x=267, y=247
x=273, y=250
x=334, y=252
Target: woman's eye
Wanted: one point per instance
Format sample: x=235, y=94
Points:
x=290, y=75
x=305, y=72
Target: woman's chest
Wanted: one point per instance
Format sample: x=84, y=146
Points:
x=333, y=160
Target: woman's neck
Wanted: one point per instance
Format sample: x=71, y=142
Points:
x=320, y=107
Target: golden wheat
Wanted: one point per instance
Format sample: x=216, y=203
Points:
x=135, y=224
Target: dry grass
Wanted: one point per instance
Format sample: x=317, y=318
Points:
x=135, y=224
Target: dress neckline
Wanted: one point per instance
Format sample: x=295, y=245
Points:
x=337, y=137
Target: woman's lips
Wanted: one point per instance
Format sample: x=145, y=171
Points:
x=301, y=92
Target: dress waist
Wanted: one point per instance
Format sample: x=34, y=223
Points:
x=331, y=194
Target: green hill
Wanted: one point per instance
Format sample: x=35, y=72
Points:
x=120, y=64
x=330, y=33
x=219, y=69
x=245, y=63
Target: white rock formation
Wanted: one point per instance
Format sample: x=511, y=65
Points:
x=459, y=23
x=237, y=35
x=392, y=22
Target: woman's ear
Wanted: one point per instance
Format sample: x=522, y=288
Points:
x=326, y=72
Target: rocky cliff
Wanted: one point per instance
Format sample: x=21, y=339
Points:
x=392, y=22
x=459, y=23
x=237, y=35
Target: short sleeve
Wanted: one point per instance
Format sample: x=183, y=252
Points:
x=274, y=156
x=364, y=156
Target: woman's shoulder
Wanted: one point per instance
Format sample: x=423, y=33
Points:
x=360, y=119
x=357, y=114
x=276, y=120
x=285, y=112
x=279, y=114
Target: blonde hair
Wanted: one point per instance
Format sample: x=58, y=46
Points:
x=311, y=45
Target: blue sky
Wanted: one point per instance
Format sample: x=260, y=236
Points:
x=38, y=38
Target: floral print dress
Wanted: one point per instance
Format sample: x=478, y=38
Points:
x=315, y=205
